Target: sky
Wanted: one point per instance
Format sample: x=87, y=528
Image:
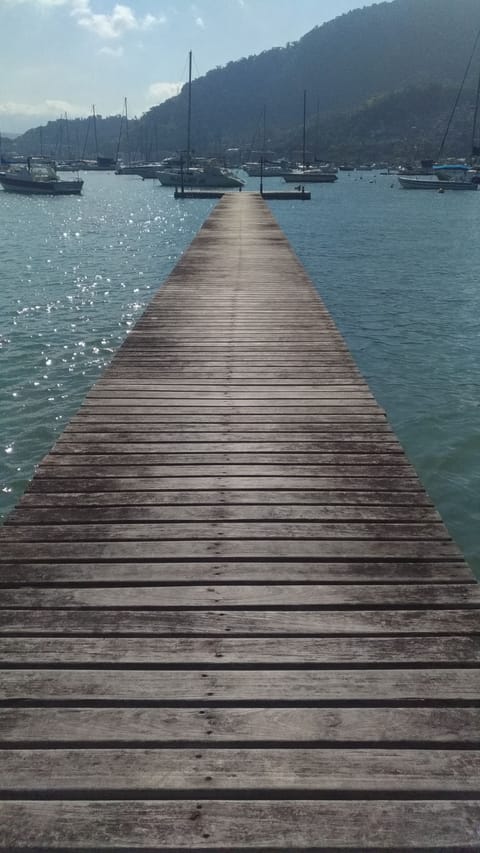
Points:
x=63, y=56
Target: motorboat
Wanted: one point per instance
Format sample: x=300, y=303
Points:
x=444, y=177
x=208, y=176
x=38, y=179
x=310, y=176
x=143, y=170
x=265, y=170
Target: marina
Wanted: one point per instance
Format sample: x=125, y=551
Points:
x=231, y=616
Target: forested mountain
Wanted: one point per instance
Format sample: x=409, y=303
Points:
x=380, y=79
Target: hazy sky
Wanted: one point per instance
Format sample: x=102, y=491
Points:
x=62, y=56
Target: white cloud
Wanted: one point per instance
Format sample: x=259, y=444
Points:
x=159, y=92
x=50, y=108
x=43, y=3
x=200, y=22
x=120, y=20
x=116, y=52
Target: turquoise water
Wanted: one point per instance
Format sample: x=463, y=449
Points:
x=397, y=269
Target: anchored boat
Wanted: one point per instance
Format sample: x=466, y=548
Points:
x=454, y=177
x=38, y=179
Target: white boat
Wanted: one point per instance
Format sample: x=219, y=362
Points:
x=38, y=179
x=447, y=177
x=208, y=176
x=143, y=170
x=310, y=176
x=267, y=170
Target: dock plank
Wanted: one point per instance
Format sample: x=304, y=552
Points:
x=266, y=686
x=140, y=772
x=212, y=824
x=250, y=571
x=241, y=652
x=268, y=597
x=232, y=725
x=108, y=621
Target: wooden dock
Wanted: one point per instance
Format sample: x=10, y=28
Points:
x=231, y=618
x=269, y=195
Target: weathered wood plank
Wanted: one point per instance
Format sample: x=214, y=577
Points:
x=206, y=460
x=229, y=826
x=243, y=652
x=315, y=726
x=267, y=686
x=294, y=451
x=248, y=571
x=85, y=441
x=84, y=481
x=223, y=529
x=397, y=470
x=309, y=596
x=214, y=513
x=105, y=622
x=171, y=549
x=110, y=494
x=138, y=771
x=230, y=396
x=374, y=419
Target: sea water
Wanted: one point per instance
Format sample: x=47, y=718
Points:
x=398, y=270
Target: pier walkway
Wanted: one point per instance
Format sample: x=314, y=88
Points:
x=231, y=618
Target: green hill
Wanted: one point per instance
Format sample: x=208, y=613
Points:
x=380, y=79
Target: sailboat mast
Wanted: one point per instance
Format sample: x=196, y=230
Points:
x=126, y=133
x=475, y=145
x=457, y=99
x=67, y=139
x=94, y=117
x=304, y=128
x=189, y=113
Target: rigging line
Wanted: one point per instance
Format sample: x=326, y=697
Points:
x=255, y=132
x=457, y=99
x=117, y=153
x=476, y=148
x=86, y=138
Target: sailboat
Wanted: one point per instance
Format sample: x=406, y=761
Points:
x=101, y=162
x=452, y=176
x=307, y=174
x=206, y=176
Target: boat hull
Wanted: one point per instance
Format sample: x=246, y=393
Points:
x=419, y=184
x=12, y=184
x=305, y=178
x=142, y=171
x=199, y=181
